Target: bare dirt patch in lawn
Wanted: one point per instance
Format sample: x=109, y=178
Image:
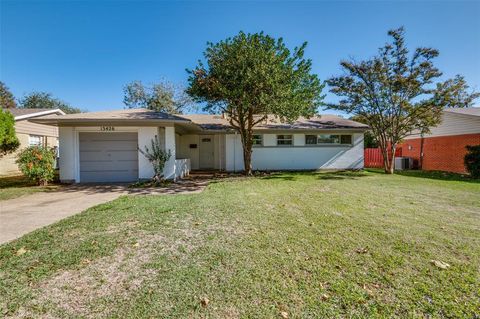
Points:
x=79, y=292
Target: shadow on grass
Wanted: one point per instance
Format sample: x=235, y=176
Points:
x=437, y=175
x=16, y=181
x=325, y=175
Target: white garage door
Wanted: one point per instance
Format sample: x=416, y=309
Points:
x=108, y=157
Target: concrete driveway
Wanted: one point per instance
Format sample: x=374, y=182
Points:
x=22, y=215
x=19, y=216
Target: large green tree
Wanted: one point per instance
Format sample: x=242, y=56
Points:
x=395, y=93
x=250, y=76
x=8, y=139
x=43, y=100
x=163, y=96
x=7, y=101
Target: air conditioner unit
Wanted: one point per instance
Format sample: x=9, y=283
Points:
x=402, y=163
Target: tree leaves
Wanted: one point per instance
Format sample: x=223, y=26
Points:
x=21, y=251
x=8, y=139
x=162, y=97
x=394, y=94
x=250, y=76
x=7, y=100
x=44, y=100
x=440, y=264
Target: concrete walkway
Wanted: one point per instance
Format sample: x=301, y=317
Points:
x=19, y=216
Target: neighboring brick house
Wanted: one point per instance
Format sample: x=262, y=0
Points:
x=444, y=148
x=29, y=134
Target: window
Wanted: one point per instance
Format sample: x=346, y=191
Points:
x=346, y=139
x=257, y=140
x=35, y=140
x=311, y=139
x=284, y=140
x=328, y=139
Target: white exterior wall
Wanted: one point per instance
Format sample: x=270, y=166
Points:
x=297, y=157
x=233, y=153
x=66, y=145
x=169, y=170
x=453, y=124
x=69, y=150
x=145, y=136
x=184, y=150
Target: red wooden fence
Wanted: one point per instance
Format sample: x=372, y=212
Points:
x=373, y=157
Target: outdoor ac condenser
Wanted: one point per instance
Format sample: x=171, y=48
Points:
x=402, y=163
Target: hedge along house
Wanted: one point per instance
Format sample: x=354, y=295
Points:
x=103, y=146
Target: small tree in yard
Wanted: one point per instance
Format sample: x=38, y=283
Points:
x=37, y=163
x=472, y=161
x=250, y=76
x=158, y=157
x=395, y=93
x=8, y=139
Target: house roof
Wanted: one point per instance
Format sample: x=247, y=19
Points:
x=130, y=115
x=196, y=121
x=471, y=111
x=21, y=113
x=321, y=122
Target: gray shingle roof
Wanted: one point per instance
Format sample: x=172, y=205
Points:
x=324, y=122
x=204, y=121
x=128, y=114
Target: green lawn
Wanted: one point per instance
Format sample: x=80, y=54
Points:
x=306, y=245
x=16, y=186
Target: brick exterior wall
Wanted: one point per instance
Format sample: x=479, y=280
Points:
x=442, y=153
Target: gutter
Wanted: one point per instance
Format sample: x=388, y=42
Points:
x=36, y=114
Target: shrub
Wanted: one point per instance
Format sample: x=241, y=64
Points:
x=158, y=157
x=472, y=160
x=37, y=163
x=8, y=139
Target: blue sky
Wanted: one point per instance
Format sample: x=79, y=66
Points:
x=84, y=52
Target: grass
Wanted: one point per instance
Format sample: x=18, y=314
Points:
x=309, y=245
x=16, y=186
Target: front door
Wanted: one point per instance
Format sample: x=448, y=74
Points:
x=206, y=152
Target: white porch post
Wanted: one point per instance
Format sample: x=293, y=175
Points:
x=169, y=170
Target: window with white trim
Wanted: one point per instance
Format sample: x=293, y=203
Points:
x=284, y=140
x=321, y=139
x=257, y=140
x=35, y=140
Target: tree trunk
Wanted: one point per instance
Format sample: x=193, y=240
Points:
x=422, y=141
x=388, y=159
x=247, y=144
x=391, y=166
x=247, y=160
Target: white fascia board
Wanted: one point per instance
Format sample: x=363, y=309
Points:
x=26, y=116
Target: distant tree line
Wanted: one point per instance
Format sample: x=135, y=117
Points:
x=34, y=100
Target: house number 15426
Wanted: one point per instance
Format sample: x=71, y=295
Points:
x=107, y=128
